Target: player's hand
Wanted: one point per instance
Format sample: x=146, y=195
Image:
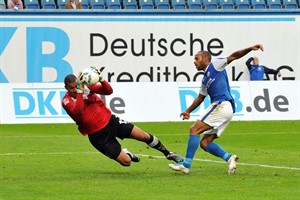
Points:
x=101, y=78
x=258, y=46
x=80, y=83
x=185, y=115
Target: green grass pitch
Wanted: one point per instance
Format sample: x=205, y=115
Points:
x=53, y=161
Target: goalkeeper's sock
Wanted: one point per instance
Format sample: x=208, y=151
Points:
x=156, y=144
x=193, y=144
x=218, y=151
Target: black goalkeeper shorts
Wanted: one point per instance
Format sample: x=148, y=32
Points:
x=106, y=141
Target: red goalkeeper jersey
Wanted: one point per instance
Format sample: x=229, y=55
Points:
x=88, y=110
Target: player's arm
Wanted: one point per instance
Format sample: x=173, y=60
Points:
x=248, y=63
x=238, y=54
x=103, y=88
x=270, y=71
x=74, y=107
x=195, y=104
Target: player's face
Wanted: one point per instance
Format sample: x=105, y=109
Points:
x=199, y=62
x=72, y=89
x=255, y=61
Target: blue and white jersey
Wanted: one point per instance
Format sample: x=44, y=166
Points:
x=215, y=82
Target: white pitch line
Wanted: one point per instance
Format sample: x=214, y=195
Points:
x=143, y=155
x=246, y=164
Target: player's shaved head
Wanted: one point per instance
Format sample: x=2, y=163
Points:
x=204, y=54
x=70, y=78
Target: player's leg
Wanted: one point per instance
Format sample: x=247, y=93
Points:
x=192, y=146
x=194, y=141
x=106, y=143
x=154, y=142
x=124, y=129
x=125, y=157
x=213, y=148
x=217, y=150
x=219, y=119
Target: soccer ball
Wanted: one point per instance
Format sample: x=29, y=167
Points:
x=90, y=76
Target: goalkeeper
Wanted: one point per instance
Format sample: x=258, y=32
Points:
x=103, y=128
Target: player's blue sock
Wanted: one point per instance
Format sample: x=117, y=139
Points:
x=193, y=144
x=218, y=151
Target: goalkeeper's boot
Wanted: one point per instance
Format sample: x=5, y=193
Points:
x=232, y=164
x=133, y=157
x=175, y=157
x=180, y=167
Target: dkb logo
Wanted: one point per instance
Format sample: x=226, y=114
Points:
x=38, y=102
x=188, y=94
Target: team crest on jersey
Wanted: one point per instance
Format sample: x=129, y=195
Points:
x=208, y=74
x=66, y=101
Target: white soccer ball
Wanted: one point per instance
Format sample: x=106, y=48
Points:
x=90, y=76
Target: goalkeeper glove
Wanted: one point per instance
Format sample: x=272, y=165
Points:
x=101, y=78
x=80, y=83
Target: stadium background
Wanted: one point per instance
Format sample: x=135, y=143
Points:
x=146, y=54
x=53, y=161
